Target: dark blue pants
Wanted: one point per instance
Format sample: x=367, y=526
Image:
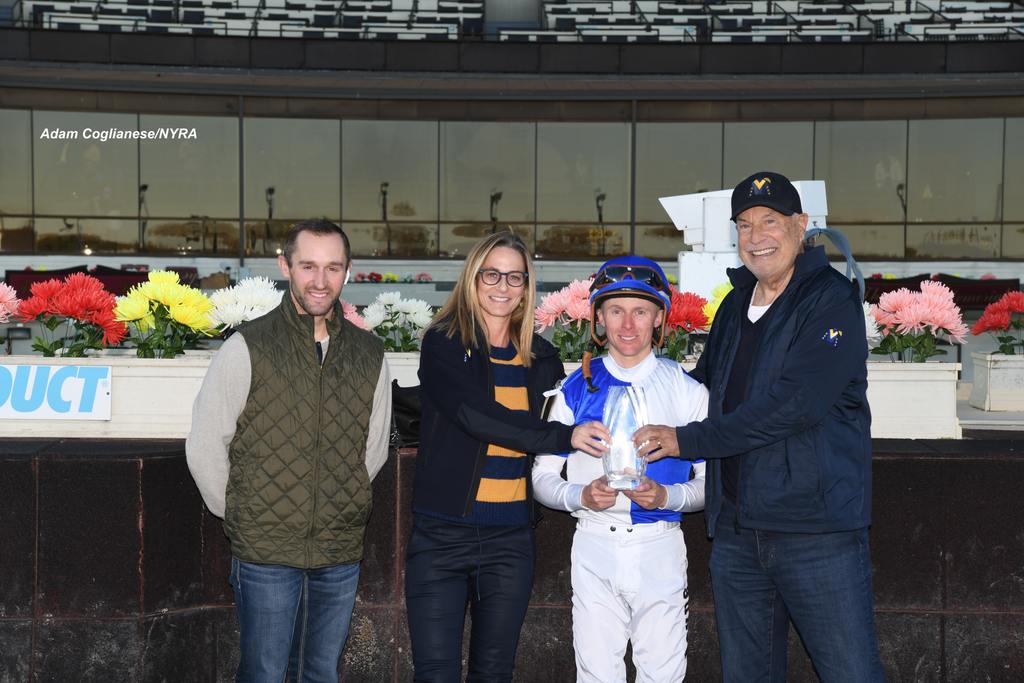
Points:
x=822, y=582
x=449, y=565
x=292, y=620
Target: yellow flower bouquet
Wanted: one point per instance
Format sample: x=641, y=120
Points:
x=165, y=317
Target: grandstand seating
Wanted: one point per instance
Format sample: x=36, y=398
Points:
x=393, y=19
x=585, y=21
x=770, y=21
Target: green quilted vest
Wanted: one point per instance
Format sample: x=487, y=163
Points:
x=298, y=492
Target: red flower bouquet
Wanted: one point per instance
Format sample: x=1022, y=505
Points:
x=1005, y=320
x=684, y=317
x=80, y=303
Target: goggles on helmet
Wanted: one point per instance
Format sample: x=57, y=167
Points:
x=621, y=272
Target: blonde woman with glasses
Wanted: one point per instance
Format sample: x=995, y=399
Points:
x=483, y=373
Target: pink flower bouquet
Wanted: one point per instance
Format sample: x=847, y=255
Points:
x=912, y=322
x=568, y=312
x=352, y=315
x=9, y=302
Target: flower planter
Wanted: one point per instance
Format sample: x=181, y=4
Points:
x=998, y=382
x=150, y=399
x=908, y=400
x=404, y=367
x=913, y=400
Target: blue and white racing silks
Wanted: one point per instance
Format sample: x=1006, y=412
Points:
x=673, y=399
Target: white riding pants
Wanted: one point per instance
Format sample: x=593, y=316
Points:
x=629, y=584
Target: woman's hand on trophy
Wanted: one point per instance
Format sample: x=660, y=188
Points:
x=649, y=494
x=598, y=495
x=656, y=442
x=593, y=438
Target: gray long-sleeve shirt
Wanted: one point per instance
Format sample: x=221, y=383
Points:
x=220, y=402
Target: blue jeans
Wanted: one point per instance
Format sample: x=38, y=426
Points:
x=449, y=565
x=761, y=579
x=292, y=621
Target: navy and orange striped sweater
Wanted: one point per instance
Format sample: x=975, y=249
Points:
x=501, y=497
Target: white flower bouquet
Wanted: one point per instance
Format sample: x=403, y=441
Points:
x=399, y=322
x=251, y=298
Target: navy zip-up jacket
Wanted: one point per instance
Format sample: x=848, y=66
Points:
x=461, y=416
x=803, y=434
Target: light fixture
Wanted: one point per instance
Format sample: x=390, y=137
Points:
x=87, y=251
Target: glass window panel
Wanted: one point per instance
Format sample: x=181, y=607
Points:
x=953, y=241
x=581, y=241
x=487, y=171
x=672, y=159
x=84, y=175
x=406, y=239
x=456, y=239
x=878, y=241
x=863, y=164
x=190, y=177
x=783, y=147
x=87, y=235
x=366, y=239
x=1013, y=196
x=292, y=168
x=583, y=171
x=266, y=237
x=1013, y=240
x=16, y=234
x=955, y=170
x=194, y=235
x=392, y=165
x=412, y=240
x=660, y=242
x=15, y=162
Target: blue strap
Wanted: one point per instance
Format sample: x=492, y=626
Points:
x=843, y=245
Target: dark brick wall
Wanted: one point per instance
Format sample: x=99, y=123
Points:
x=112, y=571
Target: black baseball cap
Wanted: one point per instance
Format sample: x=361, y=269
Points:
x=766, y=188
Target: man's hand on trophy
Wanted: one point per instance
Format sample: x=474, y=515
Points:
x=649, y=494
x=597, y=495
x=656, y=442
x=593, y=438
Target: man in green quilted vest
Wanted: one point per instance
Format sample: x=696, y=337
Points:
x=289, y=428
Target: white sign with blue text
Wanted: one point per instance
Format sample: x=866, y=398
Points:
x=54, y=392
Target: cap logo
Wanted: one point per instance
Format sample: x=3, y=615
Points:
x=760, y=186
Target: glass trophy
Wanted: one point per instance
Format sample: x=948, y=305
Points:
x=625, y=411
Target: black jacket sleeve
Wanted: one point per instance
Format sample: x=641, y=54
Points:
x=448, y=381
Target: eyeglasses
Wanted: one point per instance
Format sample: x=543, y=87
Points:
x=611, y=274
x=514, y=278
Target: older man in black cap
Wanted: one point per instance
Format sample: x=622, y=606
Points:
x=788, y=446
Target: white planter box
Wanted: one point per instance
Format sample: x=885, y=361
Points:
x=404, y=367
x=998, y=382
x=913, y=400
x=908, y=400
x=150, y=399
